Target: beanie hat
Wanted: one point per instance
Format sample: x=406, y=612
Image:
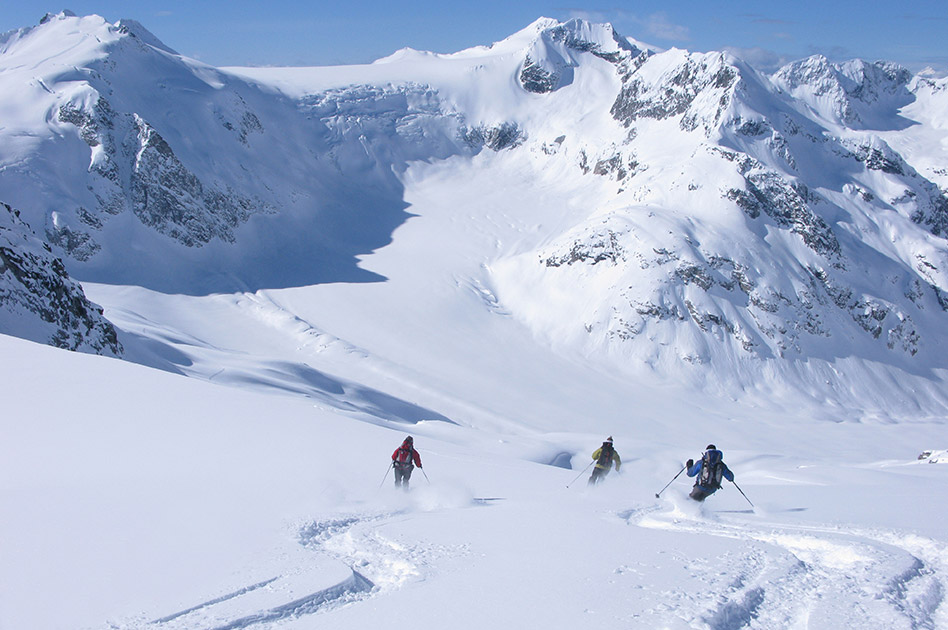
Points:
x=609, y=439
x=711, y=447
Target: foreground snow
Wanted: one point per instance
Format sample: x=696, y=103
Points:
x=135, y=498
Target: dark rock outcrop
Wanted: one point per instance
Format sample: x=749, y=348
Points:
x=38, y=299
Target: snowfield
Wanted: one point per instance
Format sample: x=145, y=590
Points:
x=139, y=499
x=492, y=252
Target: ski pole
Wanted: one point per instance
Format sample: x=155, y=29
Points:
x=742, y=492
x=580, y=474
x=426, y=475
x=386, y=474
x=659, y=493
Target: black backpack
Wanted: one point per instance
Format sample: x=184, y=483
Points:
x=712, y=469
x=605, y=455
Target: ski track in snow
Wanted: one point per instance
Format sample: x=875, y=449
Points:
x=259, y=604
x=357, y=542
x=378, y=565
x=820, y=576
x=348, y=590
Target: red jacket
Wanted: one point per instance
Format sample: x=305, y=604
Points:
x=410, y=455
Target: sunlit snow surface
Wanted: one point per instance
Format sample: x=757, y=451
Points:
x=136, y=499
x=244, y=483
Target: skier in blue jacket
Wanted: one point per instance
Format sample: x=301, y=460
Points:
x=710, y=469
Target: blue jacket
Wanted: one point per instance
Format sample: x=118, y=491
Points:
x=699, y=464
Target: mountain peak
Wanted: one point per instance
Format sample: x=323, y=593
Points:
x=844, y=92
x=49, y=17
x=135, y=29
x=600, y=36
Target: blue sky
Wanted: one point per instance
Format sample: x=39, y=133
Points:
x=285, y=32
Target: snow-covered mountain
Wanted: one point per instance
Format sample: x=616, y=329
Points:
x=509, y=252
x=732, y=229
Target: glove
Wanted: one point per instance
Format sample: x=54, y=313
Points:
x=689, y=463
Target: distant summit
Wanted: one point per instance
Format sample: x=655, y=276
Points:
x=854, y=93
x=49, y=17
x=713, y=223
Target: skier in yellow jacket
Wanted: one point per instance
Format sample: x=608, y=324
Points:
x=605, y=455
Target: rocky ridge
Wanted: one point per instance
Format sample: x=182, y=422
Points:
x=40, y=301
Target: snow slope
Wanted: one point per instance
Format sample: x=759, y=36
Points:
x=453, y=256
x=141, y=499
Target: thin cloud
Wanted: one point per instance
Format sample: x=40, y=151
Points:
x=767, y=61
x=589, y=16
x=656, y=24
x=659, y=26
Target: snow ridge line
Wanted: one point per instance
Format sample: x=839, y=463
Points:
x=356, y=584
x=217, y=600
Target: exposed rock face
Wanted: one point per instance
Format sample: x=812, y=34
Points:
x=38, y=299
x=684, y=89
x=788, y=204
x=535, y=79
x=498, y=138
x=794, y=277
x=166, y=196
x=133, y=167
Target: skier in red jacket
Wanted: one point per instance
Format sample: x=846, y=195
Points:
x=404, y=460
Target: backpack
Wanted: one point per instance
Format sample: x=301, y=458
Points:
x=605, y=455
x=404, y=459
x=712, y=470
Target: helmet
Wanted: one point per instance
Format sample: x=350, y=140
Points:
x=711, y=447
x=409, y=439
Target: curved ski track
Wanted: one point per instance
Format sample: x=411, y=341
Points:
x=378, y=565
x=814, y=577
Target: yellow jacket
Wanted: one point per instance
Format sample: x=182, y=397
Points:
x=615, y=458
